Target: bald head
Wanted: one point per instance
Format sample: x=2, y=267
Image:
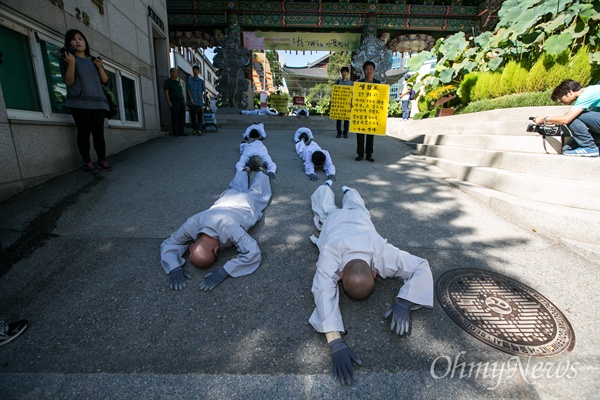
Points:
x=203, y=252
x=358, y=279
x=255, y=162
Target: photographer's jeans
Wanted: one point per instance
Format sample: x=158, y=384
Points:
x=583, y=126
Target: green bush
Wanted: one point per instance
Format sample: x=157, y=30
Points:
x=394, y=109
x=466, y=89
x=323, y=105
x=421, y=115
x=422, y=103
x=519, y=80
x=510, y=101
x=482, y=86
x=494, y=85
x=558, y=71
x=581, y=68
x=507, y=78
x=537, y=76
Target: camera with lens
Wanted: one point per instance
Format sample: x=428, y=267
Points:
x=68, y=49
x=548, y=129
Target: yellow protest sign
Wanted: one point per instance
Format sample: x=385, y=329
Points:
x=279, y=102
x=369, y=108
x=341, y=102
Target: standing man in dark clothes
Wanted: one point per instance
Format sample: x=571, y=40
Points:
x=369, y=69
x=175, y=101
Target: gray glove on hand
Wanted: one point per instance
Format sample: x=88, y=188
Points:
x=400, y=312
x=212, y=279
x=331, y=177
x=271, y=175
x=313, y=177
x=177, y=278
x=342, y=357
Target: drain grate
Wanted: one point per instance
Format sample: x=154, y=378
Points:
x=504, y=313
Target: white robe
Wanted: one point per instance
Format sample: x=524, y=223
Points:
x=300, y=110
x=300, y=131
x=256, y=148
x=228, y=220
x=305, y=153
x=260, y=127
x=261, y=111
x=348, y=234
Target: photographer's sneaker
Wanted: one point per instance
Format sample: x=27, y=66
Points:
x=104, y=165
x=8, y=332
x=582, y=152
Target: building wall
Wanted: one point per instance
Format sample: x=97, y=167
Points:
x=38, y=139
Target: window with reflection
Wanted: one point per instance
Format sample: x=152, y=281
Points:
x=130, y=100
x=16, y=72
x=57, y=89
x=111, y=89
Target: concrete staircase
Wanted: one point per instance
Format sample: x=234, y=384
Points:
x=490, y=156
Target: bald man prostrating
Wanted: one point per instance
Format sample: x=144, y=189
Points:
x=223, y=225
x=351, y=250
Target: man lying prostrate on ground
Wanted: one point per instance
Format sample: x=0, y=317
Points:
x=301, y=112
x=257, y=130
x=255, y=148
x=260, y=111
x=223, y=225
x=313, y=155
x=351, y=250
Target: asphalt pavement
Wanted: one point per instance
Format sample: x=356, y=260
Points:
x=81, y=262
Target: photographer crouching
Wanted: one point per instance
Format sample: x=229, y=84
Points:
x=583, y=119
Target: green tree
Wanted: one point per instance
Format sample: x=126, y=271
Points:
x=275, y=68
x=318, y=92
x=337, y=60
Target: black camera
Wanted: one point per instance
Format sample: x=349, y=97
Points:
x=548, y=129
x=68, y=49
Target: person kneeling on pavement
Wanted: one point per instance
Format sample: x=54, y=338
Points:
x=583, y=118
x=224, y=224
x=351, y=250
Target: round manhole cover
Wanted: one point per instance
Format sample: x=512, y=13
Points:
x=504, y=313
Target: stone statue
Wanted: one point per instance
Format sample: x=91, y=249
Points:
x=231, y=62
x=373, y=49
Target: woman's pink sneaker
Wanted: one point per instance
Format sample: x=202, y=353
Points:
x=104, y=165
x=90, y=167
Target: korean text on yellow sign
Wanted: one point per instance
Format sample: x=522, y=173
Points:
x=341, y=102
x=369, y=108
x=279, y=102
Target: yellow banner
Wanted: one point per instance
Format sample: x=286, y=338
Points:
x=369, y=108
x=341, y=102
x=279, y=102
x=342, y=41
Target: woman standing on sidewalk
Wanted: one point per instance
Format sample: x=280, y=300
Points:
x=84, y=77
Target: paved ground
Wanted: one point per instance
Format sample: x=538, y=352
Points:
x=81, y=263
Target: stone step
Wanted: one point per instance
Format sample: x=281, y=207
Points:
x=501, y=122
x=526, y=143
x=555, y=221
x=552, y=190
x=558, y=166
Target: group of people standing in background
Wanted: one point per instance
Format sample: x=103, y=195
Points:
x=342, y=126
x=175, y=96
